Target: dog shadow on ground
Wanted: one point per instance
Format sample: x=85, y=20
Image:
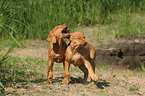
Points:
x=101, y=84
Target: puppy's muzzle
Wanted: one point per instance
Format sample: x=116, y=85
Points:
x=83, y=44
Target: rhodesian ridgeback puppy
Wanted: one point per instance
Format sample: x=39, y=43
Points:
x=81, y=54
x=57, y=48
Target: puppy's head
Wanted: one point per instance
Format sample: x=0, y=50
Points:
x=58, y=32
x=77, y=40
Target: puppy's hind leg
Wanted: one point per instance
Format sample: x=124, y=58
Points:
x=85, y=70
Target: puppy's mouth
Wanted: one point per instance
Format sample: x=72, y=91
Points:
x=65, y=31
x=79, y=46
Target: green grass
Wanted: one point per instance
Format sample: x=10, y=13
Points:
x=134, y=88
x=35, y=19
x=16, y=67
x=125, y=26
x=128, y=25
x=16, y=70
x=142, y=64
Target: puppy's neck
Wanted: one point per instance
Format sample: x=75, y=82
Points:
x=58, y=46
x=73, y=48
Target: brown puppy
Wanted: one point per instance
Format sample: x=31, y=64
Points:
x=81, y=54
x=56, y=49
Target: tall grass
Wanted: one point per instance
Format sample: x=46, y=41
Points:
x=36, y=18
x=128, y=25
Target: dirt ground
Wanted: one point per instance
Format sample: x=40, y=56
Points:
x=114, y=80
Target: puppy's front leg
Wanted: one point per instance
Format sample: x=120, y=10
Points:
x=66, y=73
x=91, y=71
x=49, y=72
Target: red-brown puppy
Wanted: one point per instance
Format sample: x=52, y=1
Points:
x=81, y=54
x=57, y=48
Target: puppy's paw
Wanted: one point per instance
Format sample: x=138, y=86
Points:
x=92, y=83
x=95, y=78
x=49, y=81
x=66, y=81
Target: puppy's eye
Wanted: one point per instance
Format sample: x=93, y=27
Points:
x=57, y=27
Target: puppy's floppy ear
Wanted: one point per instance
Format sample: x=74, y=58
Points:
x=51, y=37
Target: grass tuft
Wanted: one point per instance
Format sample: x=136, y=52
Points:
x=35, y=19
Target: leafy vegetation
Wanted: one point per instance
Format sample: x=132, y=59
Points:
x=36, y=18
